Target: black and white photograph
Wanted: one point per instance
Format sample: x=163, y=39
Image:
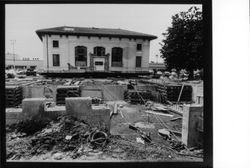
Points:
x=106, y=83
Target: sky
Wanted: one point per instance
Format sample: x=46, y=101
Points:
x=23, y=20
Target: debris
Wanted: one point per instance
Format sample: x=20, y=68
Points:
x=98, y=138
x=144, y=125
x=97, y=100
x=180, y=94
x=30, y=126
x=68, y=137
x=159, y=113
x=177, y=118
x=176, y=145
x=115, y=109
x=164, y=133
x=121, y=114
x=87, y=149
x=175, y=132
x=58, y=156
x=145, y=136
x=140, y=140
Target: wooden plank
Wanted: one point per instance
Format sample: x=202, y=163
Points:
x=157, y=113
x=177, y=118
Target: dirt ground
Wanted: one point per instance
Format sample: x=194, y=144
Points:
x=123, y=143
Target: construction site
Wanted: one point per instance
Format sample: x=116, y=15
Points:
x=103, y=119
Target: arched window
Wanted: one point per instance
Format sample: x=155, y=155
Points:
x=81, y=56
x=116, y=60
x=99, y=51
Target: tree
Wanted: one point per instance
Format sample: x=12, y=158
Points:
x=182, y=47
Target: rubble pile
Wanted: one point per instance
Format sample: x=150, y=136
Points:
x=69, y=135
x=123, y=148
x=66, y=134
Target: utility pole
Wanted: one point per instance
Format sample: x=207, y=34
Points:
x=14, y=57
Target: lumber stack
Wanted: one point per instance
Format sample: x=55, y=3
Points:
x=135, y=96
x=66, y=91
x=171, y=92
x=13, y=96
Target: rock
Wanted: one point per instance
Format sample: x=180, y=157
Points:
x=87, y=149
x=144, y=125
x=46, y=131
x=68, y=137
x=164, y=132
x=58, y=156
x=140, y=140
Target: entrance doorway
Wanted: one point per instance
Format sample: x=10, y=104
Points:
x=99, y=64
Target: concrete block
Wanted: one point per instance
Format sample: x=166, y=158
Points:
x=33, y=91
x=100, y=117
x=190, y=133
x=78, y=106
x=13, y=115
x=95, y=116
x=54, y=112
x=33, y=107
x=114, y=92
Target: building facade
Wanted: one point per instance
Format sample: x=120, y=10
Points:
x=15, y=61
x=95, y=49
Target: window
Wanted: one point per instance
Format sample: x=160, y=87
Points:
x=99, y=51
x=81, y=56
x=55, y=44
x=138, y=61
x=56, y=60
x=116, y=57
x=139, y=47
